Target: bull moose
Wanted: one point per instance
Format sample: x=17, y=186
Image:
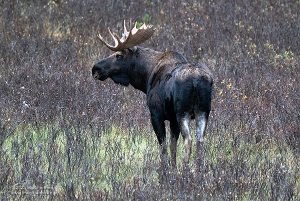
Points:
x=176, y=90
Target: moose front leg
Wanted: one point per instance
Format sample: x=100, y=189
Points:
x=160, y=131
x=175, y=130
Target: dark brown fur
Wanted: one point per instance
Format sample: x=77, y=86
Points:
x=176, y=90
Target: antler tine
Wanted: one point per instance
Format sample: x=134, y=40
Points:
x=125, y=29
x=102, y=40
x=129, y=38
x=125, y=34
x=130, y=23
x=115, y=37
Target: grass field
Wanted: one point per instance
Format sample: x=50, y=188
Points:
x=57, y=158
x=65, y=136
x=54, y=162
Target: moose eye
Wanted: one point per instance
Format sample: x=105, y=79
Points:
x=119, y=56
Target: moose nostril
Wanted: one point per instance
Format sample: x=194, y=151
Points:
x=95, y=75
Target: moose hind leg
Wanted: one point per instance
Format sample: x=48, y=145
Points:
x=201, y=121
x=185, y=131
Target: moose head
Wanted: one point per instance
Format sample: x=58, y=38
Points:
x=125, y=65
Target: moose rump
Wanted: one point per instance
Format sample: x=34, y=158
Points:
x=183, y=94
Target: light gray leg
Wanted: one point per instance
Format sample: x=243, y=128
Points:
x=185, y=131
x=164, y=153
x=201, y=121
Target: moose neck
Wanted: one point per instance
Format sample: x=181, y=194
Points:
x=141, y=71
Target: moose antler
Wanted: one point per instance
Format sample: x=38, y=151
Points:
x=129, y=38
